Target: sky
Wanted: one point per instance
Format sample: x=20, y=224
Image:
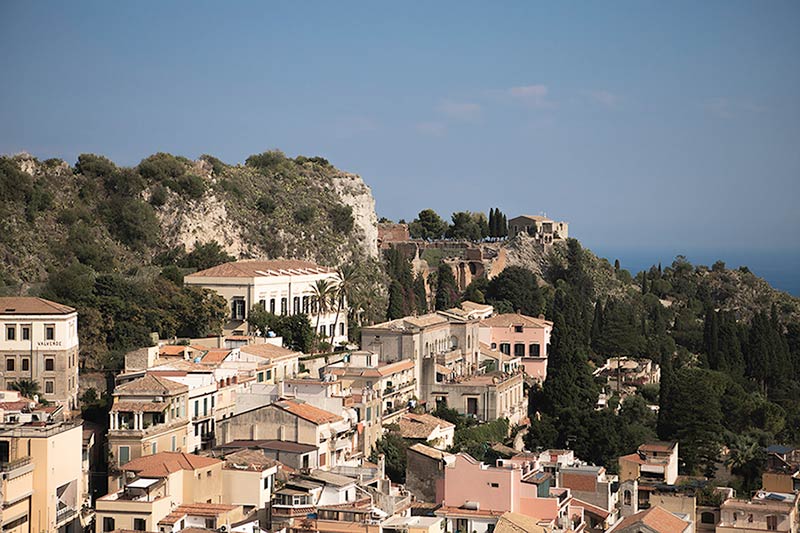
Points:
x=645, y=125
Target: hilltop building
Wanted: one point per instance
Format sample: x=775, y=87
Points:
x=541, y=228
x=281, y=287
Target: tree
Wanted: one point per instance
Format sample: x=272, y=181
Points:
x=321, y=294
x=446, y=288
x=341, y=217
x=205, y=256
x=428, y=226
x=746, y=458
x=519, y=287
x=294, y=329
x=393, y=448
x=27, y=388
x=420, y=294
x=348, y=276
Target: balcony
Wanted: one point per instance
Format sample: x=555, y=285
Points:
x=65, y=514
x=17, y=467
x=392, y=390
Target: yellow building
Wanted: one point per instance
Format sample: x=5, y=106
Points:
x=148, y=416
x=42, y=478
x=155, y=485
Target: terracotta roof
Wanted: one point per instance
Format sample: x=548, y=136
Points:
x=446, y=510
x=151, y=384
x=279, y=445
x=664, y=447
x=474, y=306
x=579, y=481
x=657, y=519
x=306, y=411
x=140, y=407
x=420, y=426
x=591, y=509
x=181, y=365
x=433, y=453
x=518, y=523
x=24, y=305
x=269, y=351
x=537, y=218
x=173, y=349
x=247, y=459
x=431, y=319
x=634, y=458
x=215, y=356
x=514, y=319
x=494, y=354
x=164, y=463
x=256, y=268
x=391, y=368
x=209, y=510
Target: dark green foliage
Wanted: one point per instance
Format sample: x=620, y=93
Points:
x=341, y=217
x=428, y=225
x=265, y=205
x=446, y=288
x=476, y=291
x=188, y=186
x=296, y=330
x=94, y=166
x=393, y=447
x=173, y=273
x=403, y=289
x=159, y=196
x=519, y=287
x=420, y=295
x=161, y=167
x=266, y=160
x=15, y=185
x=133, y=222
x=82, y=243
x=304, y=214
x=468, y=226
x=217, y=166
x=620, y=334
x=205, y=256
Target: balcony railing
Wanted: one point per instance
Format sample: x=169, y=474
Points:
x=65, y=513
x=10, y=466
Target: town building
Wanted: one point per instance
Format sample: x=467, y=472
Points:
x=39, y=342
x=425, y=471
x=427, y=429
x=282, y=287
x=522, y=336
x=625, y=375
x=149, y=415
x=766, y=511
x=541, y=228
x=653, y=520
x=42, y=487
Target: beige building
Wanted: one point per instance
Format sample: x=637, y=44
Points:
x=42, y=477
x=248, y=479
x=766, y=511
x=149, y=415
x=280, y=287
x=155, y=486
x=39, y=342
x=541, y=228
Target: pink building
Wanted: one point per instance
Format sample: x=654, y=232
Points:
x=520, y=336
x=477, y=494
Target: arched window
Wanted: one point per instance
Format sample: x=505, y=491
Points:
x=626, y=497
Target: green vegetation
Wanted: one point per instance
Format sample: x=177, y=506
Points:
x=295, y=329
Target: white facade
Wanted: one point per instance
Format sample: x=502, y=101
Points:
x=280, y=287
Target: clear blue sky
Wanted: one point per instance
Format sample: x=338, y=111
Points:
x=646, y=125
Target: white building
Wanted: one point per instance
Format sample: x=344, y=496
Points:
x=280, y=287
x=39, y=342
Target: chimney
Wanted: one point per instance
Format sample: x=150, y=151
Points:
x=382, y=466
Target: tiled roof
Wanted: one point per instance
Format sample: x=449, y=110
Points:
x=279, y=445
x=514, y=319
x=420, y=426
x=657, y=519
x=518, y=523
x=431, y=319
x=256, y=268
x=269, y=351
x=139, y=407
x=215, y=356
x=173, y=349
x=24, y=305
x=151, y=384
x=433, y=453
x=664, y=447
x=494, y=354
x=446, y=510
x=634, y=458
x=537, y=218
x=306, y=411
x=164, y=463
x=209, y=510
x=591, y=509
x=474, y=306
x=247, y=459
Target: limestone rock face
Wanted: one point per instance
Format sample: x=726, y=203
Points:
x=357, y=194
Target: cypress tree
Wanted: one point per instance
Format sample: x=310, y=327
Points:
x=597, y=326
x=421, y=296
x=493, y=223
x=616, y=265
x=644, y=282
x=446, y=288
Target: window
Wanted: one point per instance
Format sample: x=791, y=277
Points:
x=772, y=522
x=196, y=408
x=296, y=305
x=260, y=377
x=517, y=329
x=211, y=523
x=494, y=346
x=626, y=497
x=332, y=330
x=272, y=305
x=341, y=329
x=49, y=386
x=50, y=332
x=322, y=330
x=108, y=523
x=519, y=350
x=124, y=454
x=707, y=517
x=237, y=308
x=305, y=304
x=505, y=348
x=269, y=374
x=205, y=406
x=139, y=524
x=322, y=459
x=49, y=364
x=26, y=364
x=174, y=443
x=533, y=350
x=153, y=448
x=369, y=414
x=10, y=364
x=26, y=333
x=472, y=406
x=495, y=485
x=266, y=482
x=284, y=306
x=262, y=304
x=11, y=332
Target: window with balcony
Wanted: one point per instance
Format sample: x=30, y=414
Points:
x=237, y=308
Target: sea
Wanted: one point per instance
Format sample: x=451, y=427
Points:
x=780, y=268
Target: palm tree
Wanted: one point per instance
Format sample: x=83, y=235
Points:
x=321, y=294
x=26, y=387
x=746, y=458
x=348, y=275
